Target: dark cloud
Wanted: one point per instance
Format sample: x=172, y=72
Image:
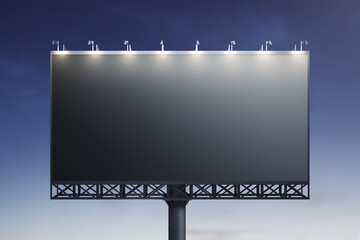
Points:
x=215, y=24
x=22, y=80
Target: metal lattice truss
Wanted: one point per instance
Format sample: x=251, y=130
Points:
x=188, y=191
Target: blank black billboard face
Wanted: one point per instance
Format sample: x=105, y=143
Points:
x=179, y=117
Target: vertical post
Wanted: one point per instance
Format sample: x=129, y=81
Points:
x=177, y=212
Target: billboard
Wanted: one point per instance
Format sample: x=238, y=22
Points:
x=179, y=117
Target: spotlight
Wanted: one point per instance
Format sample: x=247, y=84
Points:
x=64, y=48
x=294, y=48
x=304, y=42
x=262, y=47
x=128, y=46
x=91, y=42
x=57, y=43
x=97, y=48
x=267, y=43
x=232, y=43
x=162, y=45
x=197, y=43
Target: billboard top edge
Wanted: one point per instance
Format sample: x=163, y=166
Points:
x=179, y=52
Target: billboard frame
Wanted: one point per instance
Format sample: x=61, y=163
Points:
x=126, y=184
x=210, y=190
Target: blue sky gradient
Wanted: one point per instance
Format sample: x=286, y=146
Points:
x=333, y=31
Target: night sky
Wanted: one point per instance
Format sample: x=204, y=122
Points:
x=333, y=31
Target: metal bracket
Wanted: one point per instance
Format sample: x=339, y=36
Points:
x=187, y=191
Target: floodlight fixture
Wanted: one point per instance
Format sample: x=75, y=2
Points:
x=294, y=48
x=64, y=48
x=91, y=42
x=303, y=42
x=262, y=47
x=197, y=43
x=267, y=43
x=162, y=45
x=232, y=43
x=57, y=43
x=126, y=42
x=97, y=48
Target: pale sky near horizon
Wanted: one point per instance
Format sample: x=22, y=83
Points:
x=332, y=29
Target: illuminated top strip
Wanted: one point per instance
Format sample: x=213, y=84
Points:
x=179, y=52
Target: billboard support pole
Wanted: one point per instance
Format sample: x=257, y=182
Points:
x=177, y=201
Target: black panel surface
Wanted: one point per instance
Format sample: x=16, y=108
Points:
x=179, y=118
